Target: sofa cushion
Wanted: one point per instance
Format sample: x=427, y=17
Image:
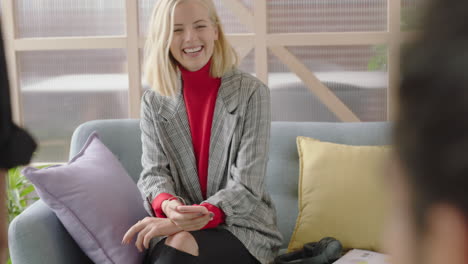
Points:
x=95, y=199
x=340, y=194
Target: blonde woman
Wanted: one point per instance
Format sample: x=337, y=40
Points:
x=205, y=134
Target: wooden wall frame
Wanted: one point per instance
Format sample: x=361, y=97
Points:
x=260, y=40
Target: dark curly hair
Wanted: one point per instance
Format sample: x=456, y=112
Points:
x=431, y=131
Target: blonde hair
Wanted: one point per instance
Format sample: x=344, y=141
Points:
x=161, y=71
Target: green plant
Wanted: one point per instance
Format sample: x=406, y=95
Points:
x=410, y=21
x=19, y=191
x=379, y=61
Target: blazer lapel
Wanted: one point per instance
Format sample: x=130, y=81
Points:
x=223, y=126
x=174, y=120
x=177, y=131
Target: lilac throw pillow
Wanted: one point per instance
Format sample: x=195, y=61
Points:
x=95, y=199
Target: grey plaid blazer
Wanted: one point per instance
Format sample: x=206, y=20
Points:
x=237, y=158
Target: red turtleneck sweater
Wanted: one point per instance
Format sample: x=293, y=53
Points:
x=200, y=93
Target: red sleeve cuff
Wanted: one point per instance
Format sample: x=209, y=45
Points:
x=218, y=218
x=157, y=204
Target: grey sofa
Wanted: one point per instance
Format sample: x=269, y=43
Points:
x=37, y=236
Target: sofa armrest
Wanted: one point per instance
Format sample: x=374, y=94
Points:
x=37, y=236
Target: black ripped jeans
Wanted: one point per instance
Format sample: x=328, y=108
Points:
x=214, y=246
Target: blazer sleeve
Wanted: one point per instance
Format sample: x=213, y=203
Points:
x=155, y=177
x=245, y=185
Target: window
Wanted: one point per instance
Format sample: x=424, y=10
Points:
x=324, y=60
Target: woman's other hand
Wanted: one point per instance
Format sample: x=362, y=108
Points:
x=149, y=228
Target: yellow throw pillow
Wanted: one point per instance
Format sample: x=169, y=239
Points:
x=340, y=194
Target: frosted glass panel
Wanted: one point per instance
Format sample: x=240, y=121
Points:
x=231, y=22
x=145, y=9
x=248, y=63
x=351, y=73
x=327, y=15
x=63, y=89
x=144, y=83
x=63, y=18
x=411, y=14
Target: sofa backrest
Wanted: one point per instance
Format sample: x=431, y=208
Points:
x=283, y=166
x=122, y=137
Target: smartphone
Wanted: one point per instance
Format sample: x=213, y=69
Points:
x=192, y=209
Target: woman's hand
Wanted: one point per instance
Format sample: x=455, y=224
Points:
x=186, y=218
x=168, y=207
x=149, y=228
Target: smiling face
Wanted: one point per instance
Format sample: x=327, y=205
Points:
x=194, y=35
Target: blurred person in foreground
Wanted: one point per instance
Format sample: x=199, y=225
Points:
x=16, y=148
x=429, y=197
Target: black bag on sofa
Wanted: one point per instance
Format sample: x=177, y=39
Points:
x=326, y=251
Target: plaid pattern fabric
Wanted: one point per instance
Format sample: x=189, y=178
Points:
x=237, y=160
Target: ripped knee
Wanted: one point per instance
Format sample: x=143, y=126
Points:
x=183, y=241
